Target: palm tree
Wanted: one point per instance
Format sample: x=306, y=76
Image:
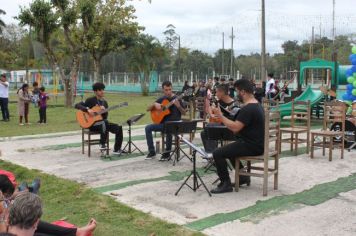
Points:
x=2, y=23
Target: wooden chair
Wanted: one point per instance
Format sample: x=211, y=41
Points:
x=334, y=111
x=200, y=107
x=272, y=127
x=300, y=123
x=90, y=141
x=270, y=104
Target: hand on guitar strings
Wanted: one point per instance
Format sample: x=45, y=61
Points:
x=157, y=106
x=216, y=112
x=91, y=112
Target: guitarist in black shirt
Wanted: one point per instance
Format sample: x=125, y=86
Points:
x=249, y=125
x=104, y=125
x=228, y=108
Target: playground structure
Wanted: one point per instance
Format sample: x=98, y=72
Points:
x=335, y=78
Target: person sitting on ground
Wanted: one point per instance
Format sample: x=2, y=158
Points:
x=249, y=125
x=102, y=126
x=24, y=214
x=33, y=188
x=7, y=189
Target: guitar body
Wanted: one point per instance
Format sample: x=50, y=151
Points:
x=85, y=120
x=158, y=115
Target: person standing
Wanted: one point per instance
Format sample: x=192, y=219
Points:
x=270, y=87
x=35, y=93
x=4, y=98
x=23, y=102
x=42, y=104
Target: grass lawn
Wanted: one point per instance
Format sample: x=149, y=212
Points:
x=76, y=203
x=61, y=119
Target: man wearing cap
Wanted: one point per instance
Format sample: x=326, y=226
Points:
x=4, y=98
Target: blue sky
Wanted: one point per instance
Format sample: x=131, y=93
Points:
x=200, y=23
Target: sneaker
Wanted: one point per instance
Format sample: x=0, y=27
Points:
x=165, y=157
x=36, y=184
x=119, y=152
x=150, y=156
x=103, y=147
x=23, y=186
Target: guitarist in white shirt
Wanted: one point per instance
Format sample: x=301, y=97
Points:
x=104, y=125
x=176, y=110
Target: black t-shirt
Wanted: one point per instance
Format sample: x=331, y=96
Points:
x=230, y=111
x=252, y=116
x=175, y=112
x=92, y=102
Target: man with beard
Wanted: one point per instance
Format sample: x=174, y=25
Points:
x=249, y=125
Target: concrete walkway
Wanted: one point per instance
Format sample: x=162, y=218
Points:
x=315, y=197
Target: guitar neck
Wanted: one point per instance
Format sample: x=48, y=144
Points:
x=171, y=102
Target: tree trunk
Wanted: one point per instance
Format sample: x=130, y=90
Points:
x=97, y=68
x=68, y=92
x=145, y=83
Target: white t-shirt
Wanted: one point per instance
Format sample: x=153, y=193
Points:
x=270, y=83
x=4, y=90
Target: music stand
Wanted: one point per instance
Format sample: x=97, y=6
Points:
x=194, y=173
x=175, y=128
x=218, y=133
x=130, y=122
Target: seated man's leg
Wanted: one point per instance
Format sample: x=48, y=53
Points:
x=230, y=151
x=149, y=138
x=100, y=127
x=117, y=130
x=209, y=145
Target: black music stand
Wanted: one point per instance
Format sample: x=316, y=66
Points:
x=175, y=128
x=194, y=173
x=218, y=133
x=130, y=122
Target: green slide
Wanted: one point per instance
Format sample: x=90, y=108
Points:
x=309, y=94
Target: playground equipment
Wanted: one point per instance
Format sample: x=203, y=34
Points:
x=336, y=75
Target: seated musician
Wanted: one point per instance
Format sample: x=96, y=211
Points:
x=249, y=125
x=104, y=125
x=176, y=111
x=229, y=110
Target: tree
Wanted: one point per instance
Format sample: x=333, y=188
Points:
x=2, y=23
x=199, y=62
x=146, y=55
x=171, y=39
x=108, y=26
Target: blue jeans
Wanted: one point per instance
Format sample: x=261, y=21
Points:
x=4, y=108
x=149, y=138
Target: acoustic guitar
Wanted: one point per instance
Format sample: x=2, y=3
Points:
x=85, y=120
x=158, y=115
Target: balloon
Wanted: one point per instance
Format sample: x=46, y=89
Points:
x=350, y=86
x=348, y=92
x=354, y=75
x=345, y=97
x=354, y=84
x=354, y=49
x=350, y=79
x=354, y=92
x=348, y=72
x=353, y=69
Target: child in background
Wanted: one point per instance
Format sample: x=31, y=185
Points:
x=35, y=93
x=42, y=104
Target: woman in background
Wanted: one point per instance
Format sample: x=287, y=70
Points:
x=24, y=100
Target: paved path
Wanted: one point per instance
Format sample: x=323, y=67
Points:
x=315, y=197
